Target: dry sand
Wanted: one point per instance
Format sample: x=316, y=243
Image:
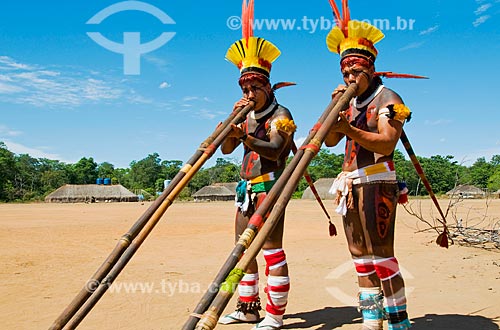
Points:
x=50, y=250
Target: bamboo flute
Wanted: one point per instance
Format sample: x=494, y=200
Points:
x=255, y=223
x=305, y=154
x=205, y=151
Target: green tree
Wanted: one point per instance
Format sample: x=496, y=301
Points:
x=27, y=177
x=479, y=173
x=145, y=173
x=7, y=172
x=405, y=171
x=325, y=165
x=495, y=160
x=494, y=181
x=105, y=170
x=122, y=176
x=441, y=172
x=170, y=168
x=224, y=171
x=53, y=174
x=201, y=179
x=84, y=171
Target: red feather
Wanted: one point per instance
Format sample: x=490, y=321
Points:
x=247, y=14
x=347, y=16
x=336, y=12
x=283, y=84
x=250, y=18
x=389, y=74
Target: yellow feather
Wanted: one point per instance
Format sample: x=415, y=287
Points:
x=334, y=38
x=286, y=125
x=359, y=29
x=257, y=48
x=234, y=54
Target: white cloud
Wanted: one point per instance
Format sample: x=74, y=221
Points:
x=160, y=63
x=413, y=45
x=31, y=84
x=9, y=64
x=33, y=152
x=10, y=89
x=480, y=20
x=429, y=30
x=480, y=12
x=206, y=114
x=482, y=9
x=164, y=85
x=438, y=122
x=6, y=131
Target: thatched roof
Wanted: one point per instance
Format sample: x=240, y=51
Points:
x=466, y=191
x=322, y=186
x=73, y=193
x=214, y=191
x=229, y=185
x=217, y=191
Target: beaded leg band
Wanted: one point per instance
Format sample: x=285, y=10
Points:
x=248, y=307
x=371, y=306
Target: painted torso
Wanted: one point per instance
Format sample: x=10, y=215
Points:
x=365, y=116
x=253, y=164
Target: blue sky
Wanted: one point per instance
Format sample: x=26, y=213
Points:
x=63, y=96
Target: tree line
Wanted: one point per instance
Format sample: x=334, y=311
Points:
x=25, y=178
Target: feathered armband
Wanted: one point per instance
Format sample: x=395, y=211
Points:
x=285, y=125
x=399, y=112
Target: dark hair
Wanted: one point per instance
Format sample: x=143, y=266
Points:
x=253, y=76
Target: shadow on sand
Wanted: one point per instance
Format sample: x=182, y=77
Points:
x=332, y=317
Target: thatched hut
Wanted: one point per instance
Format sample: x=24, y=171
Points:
x=90, y=193
x=466, y=191
x=216, y=192
x=322, y=186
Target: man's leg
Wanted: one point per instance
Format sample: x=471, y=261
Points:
x=382, y=200
x=248, y=306
x=278, y=281
x=370, y=298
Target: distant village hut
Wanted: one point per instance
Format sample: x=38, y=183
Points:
x=216, y=192
x=466, y=191
x=322, y=186
x=91, y=193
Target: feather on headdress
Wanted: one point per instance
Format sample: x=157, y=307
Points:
x=356, y=38
x=352, y=37
x=252, y=54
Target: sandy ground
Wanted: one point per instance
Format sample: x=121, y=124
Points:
x=50, y=250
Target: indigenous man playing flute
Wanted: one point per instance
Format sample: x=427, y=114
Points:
x=267, y=136
x=367, y=190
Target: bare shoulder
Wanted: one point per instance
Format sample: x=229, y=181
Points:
x=282, y=112
x=388, y=96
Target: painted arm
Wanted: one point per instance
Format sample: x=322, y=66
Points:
x=382, y=142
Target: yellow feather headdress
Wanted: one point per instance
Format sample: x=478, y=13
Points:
x=251, y=54
x=352, y=37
